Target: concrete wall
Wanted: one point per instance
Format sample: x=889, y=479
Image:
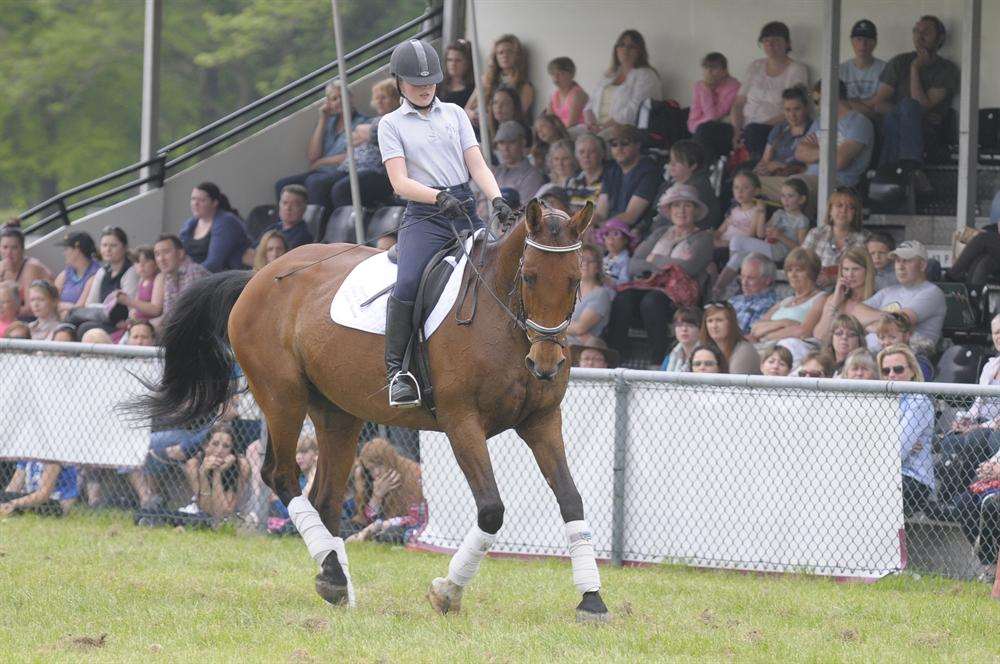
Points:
x=679, y=32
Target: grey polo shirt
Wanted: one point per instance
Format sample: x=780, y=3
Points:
x=433, y=145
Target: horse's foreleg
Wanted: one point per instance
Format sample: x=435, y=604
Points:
x=468, y=441
x=543, y=435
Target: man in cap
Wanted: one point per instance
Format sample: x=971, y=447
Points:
x=861, y=73
x=914, y=297
x=514, y=170
x=630, y=184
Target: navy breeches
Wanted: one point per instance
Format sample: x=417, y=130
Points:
x=423, y=232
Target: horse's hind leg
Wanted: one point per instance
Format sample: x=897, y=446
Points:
x=543, y=434
x=337, y=439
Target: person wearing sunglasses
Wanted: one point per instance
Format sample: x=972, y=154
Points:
x=708, y=358
x=629, y=81
x=846, y=336
x=916, y=426
x=817, y=364
x=631, y=182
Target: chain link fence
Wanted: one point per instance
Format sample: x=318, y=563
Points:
x=831, y=477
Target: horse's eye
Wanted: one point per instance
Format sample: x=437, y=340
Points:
x=530, y=279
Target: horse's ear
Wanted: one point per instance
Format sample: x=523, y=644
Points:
x=581, y=220
x=533, y=216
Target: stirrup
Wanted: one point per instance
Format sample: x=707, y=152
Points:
x=410, y=403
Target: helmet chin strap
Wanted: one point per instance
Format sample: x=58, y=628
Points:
x=399, y=88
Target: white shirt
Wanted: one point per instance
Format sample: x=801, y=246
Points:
x=763, y=92
x=639, y=85
x=433, y=145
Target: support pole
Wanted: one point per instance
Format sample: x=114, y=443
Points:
x=968, y=128
x=477, y=71
x=830, y=76
x=150, y=118
x=620, y=461
x=451, y=23
x=345, y=105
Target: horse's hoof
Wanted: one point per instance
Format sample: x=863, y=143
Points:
x=445, y=596
x=332, y=592
x=591, y=609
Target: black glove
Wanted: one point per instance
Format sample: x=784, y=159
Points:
x=503, y=213
x=450, y=205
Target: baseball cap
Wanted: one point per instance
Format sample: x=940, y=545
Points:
x=864, y=28
x=508, y=131
x=909, y=249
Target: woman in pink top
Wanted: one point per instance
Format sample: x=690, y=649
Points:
x=711, y=102
x=568, y=100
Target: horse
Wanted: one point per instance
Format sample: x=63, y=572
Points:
x=276, y=325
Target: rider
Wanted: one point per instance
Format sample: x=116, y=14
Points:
x=430, y=152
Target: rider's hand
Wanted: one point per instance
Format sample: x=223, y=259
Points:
x=503, y=213
x=450, y=205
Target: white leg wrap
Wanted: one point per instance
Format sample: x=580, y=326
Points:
x=465, y=563
x=318, y=539
x=586, y=578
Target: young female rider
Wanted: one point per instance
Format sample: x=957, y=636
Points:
x=430, y=152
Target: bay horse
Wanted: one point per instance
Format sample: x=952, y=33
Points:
x=508, y=369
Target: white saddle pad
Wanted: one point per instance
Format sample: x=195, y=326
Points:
x=376, y=274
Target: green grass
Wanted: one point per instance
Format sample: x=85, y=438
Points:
x=162, y=595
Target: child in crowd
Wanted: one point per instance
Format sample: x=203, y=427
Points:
x=568, y=99
x=395, y=511
x=773, y=238
x=306, y=455
x=879, y=246
x=688, y=165
x=17, y=330
x=547, y=130
x=43, y=487
x=65, y=332
x=687, y=324
x=896, y=328
x=619, y=241
x=141, y=306
x=743, y=215
x=711, y=101
x=777, y=362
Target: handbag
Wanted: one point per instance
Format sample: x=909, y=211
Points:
x=672, y=281
x=984, y=487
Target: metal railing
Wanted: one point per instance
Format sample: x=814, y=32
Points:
x=197, y=144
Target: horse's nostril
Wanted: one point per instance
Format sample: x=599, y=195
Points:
x=529, y=363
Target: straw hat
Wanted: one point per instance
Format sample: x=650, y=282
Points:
x=683, y=192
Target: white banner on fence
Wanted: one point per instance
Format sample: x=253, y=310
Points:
x=736, y=478
x=62, y=408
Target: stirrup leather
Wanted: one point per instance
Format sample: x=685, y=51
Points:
x=404, y=375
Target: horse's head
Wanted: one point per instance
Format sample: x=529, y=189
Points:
x=550, y=278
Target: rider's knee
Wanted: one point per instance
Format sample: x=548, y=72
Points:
x=491, y=518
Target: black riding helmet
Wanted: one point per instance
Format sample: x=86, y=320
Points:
x=416, y=62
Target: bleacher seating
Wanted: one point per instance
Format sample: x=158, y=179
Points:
x=340, y=226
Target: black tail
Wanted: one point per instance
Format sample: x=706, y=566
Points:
x=198, y=368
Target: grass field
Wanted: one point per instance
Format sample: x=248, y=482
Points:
x=96, y=588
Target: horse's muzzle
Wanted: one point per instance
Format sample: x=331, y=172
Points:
x=543, y=375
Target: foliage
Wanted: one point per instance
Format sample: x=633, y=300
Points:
x=71, y=73
x=225, y=596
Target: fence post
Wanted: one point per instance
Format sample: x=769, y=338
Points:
x=621, y=449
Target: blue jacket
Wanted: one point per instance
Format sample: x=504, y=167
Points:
x=228, y=241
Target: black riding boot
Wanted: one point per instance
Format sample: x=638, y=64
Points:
x=403, y=392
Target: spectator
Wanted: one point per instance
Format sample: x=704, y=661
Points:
x=855, y=284
x=979, y=262
x=396, y=511
x=984, y=414
x=895, y=328
x=508, y=68
x=306, y=456
x=459, y=81
x=327, y=149
x=707, y=358
x=777, y=362
x=721, y=327
x=141, y=333
x=840, y=230
x=568, y=99
x=555, y=197
x=79, y=253
x=10, y=304
x=860, y=365
x=221, y=475
x=514, y=171
x=272, y=245
x=631, y=182
x=65, y=332
x=586, y=186
x=43, y=300
x=757, y=295
x=147, y=303
x=95, y=335
x=711, y=103
x=43, y=487
x=683, y=245
x=619, y=241
x=816, y=364
x=880, y=246
x=796, y=315
x=979, y=517
x=16, y=267
x=17, y=330
x=214, y=236
x=861, y=73
x=915, y=297
x=914, y=94
x=687, y=323
x=177, y=272
x=117, y=275
x=561, y=166
x=593, y=306
x=594, y=355
x=779, y=161
x=689, y=165
x=373, y=181
x=846, y=335
x=547, y=130
x=758, y=104
x=916, y=423
x=629, y=81
x=747, y=212
x=855, y=141
x=291, y=216
x=506, y=107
